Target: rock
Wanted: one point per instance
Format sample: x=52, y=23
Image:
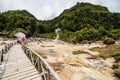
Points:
x=89, y=78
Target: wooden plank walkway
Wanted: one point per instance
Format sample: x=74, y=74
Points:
x=17, y=66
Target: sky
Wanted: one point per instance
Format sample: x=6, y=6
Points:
x=49, y=9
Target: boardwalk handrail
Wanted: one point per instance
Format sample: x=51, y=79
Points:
x=41, y=65
x=5, y=50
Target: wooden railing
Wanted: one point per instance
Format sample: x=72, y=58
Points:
x=5, y=50
x=45, y=70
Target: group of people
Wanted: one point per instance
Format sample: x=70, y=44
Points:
x=22, y=40
x=21, y=37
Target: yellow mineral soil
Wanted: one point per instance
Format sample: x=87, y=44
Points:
x=74, y=67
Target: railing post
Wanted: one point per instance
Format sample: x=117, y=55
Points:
x=39, y=69
x=48, y=74
x=31, y=56
x=43, y=73
x=5, y=48
x=2, y=55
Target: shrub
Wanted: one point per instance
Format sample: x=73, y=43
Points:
x=115, y=66
x=79, y=52
x=117, y=72
x=115, y=54
x=117, y=58
x=108, y=41
x=95, y=48
x=104, y=55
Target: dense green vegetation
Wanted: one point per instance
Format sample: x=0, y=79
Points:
x=84, y=21
x=19, y=20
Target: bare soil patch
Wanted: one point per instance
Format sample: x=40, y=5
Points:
x=74, y=67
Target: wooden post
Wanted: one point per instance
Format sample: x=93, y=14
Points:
x=5, y=48
x=48, y=74
x=43, y=71
x=39, y=66
x=31, y=56
x=2, y=55
x=36, y=61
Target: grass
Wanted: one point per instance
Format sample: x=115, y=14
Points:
x=95, y=48
x=79, y=52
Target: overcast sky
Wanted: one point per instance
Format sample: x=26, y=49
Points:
x=48, y=9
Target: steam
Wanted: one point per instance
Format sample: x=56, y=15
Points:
x=57, y=33
x=20, y=35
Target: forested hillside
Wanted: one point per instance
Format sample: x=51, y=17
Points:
x=19, y=20
x=84, y=21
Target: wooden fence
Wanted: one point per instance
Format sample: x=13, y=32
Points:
x=45, y=70
x=5, y=50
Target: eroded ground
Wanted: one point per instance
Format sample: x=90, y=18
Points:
x=74, y=67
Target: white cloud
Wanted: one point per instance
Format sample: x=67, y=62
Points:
x=48, y=9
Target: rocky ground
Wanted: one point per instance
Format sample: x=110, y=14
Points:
x=74, y=67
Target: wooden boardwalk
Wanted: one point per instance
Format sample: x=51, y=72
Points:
x=17, y=66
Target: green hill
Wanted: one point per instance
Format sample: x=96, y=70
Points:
x=18, y=20
x=80, y=16
x=84, y=21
